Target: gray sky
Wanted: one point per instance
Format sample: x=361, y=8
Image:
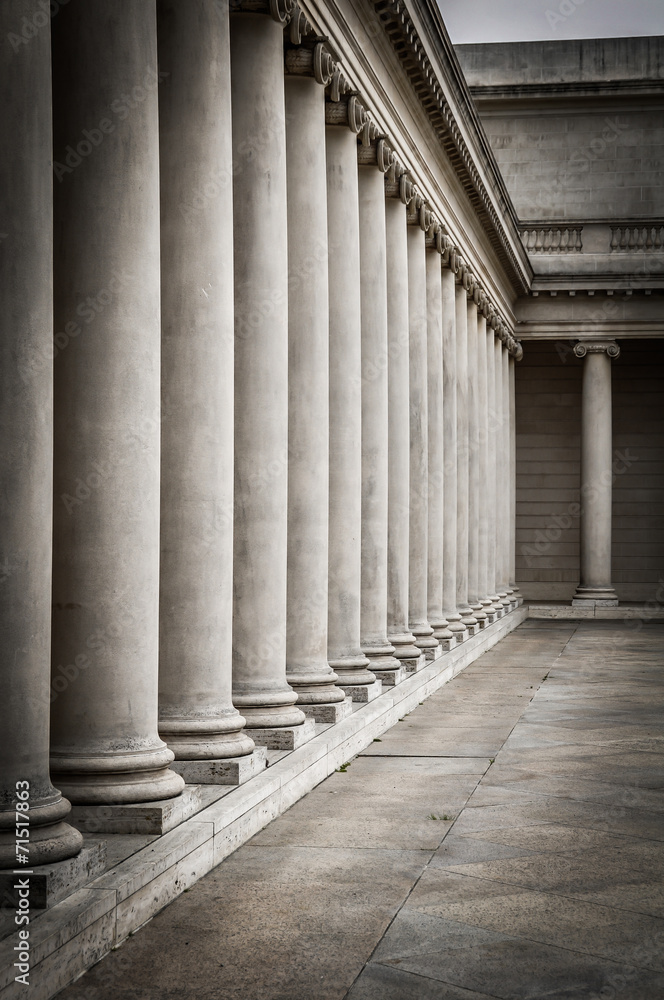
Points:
x=530, y=20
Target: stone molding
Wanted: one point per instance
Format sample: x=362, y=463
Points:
x=408, y=45
x=597, y=347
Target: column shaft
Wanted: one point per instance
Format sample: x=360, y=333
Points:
x=512, y=572
x=373, y=290
x=344, y=649
x=436, y=456
x=484, y=502
x=501, y=479
x=507, y=478
x=595, y=586
x=105, y=746
x=26, y=449
x=307, y=668
x=419, y=441
x=493, y=432
x=450, y=498
x=463, y=484
x=196, y=715
x=398, y=507
x=474, y=593
x=260, y=689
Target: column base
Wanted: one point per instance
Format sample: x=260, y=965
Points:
x=595, y=597
x=330, y=713
x=285, y=737
x=48, y=884
x=459, y=631
x=139, y=817
x=404, y=645
x=224, y=771
x=363, y=693
x=120, y=778
x=381, y=657
x=352, y=670
x=424, y=637
x=52, y=837
x=194, y=741
x=320, y=689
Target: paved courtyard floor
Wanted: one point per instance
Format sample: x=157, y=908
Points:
x=502, y=840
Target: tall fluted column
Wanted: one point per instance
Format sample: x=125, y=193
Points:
x=484, y=502
x=501, y=458
x=463, y=442
x=398, y=505
x=307, y=668
x=105, y=746
x=260, y=689
x=436, y=457
x=344, y=648
x=507, y=478
x=373, y=291
x=595, y=587
x=512, y=574
x=474, y=594
x=196, y=715
x=26, y=450
x=493, y=432
x=450, y=498
x=419, y=442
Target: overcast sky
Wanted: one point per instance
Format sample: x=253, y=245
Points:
x=530, y=20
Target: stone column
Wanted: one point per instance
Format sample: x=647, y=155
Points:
x=512, y=574
x=501, y=479
x=398, y=505
x=419, y=442
x=493, y=432
x=373, y=292
x=450, y=610
x=507, y=475
x=105, y=747
x=344, y=649
x=436, y=457
x=260, y=689
x=196, y=715
x=595, y=587
x=26, y=449
x=463, y=442
x=484, y=501
x=474, y=593
x=307, y=668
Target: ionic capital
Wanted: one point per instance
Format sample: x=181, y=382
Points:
x=596, y=347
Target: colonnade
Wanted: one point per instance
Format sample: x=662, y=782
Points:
x=280, y=400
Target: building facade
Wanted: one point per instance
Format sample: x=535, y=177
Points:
x=299, y=370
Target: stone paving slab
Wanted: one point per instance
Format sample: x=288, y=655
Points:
x=546, y=882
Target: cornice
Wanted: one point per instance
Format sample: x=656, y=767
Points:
x=413, y=56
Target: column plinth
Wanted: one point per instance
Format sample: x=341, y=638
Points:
x=26, y=451
x=375, y=435
x=344, y=652
x=260, y=689
x=105, y=747
x=196, y=715
x=595, y=587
